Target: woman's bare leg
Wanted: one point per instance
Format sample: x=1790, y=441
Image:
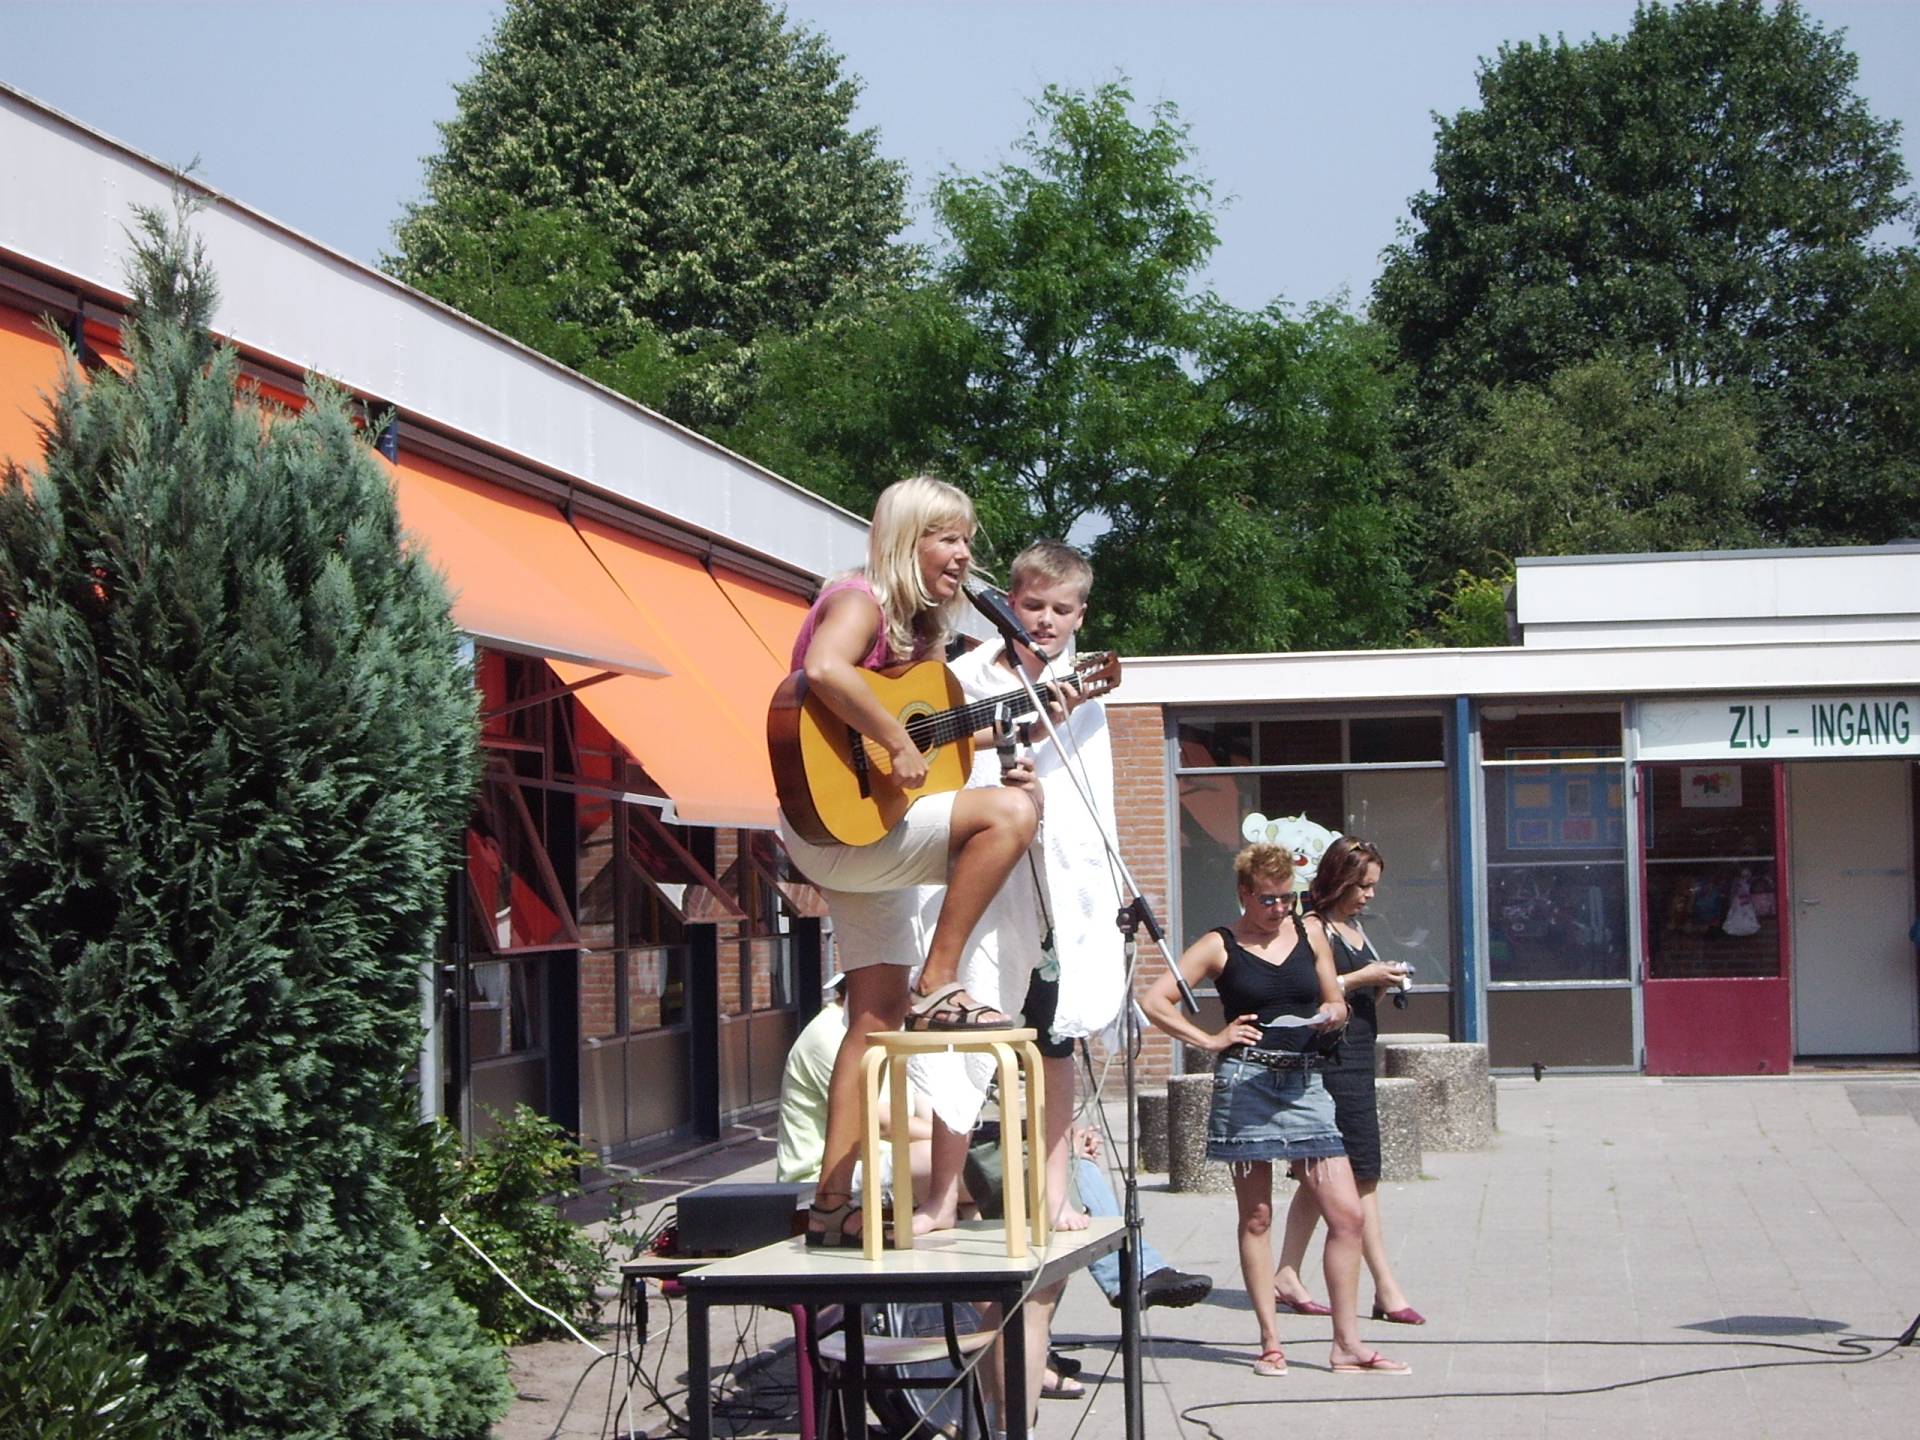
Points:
x=1253, y=1193
x=991, y=830
x=876, y=1000
x=1060, y=1082
x=1303, y=1216
x=1387, y=1293
x=1339, y=1202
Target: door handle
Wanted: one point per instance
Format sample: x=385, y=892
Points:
x=1809, y=902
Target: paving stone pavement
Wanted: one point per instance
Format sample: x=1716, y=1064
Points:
x=1629, y=1257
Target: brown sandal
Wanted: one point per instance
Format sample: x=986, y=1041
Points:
x=943, y=1010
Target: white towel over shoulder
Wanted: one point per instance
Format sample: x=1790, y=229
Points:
x=1068, y=877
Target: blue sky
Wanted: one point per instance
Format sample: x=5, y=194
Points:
x=1312, y=120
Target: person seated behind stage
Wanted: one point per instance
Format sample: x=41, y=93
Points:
x=801, y=1136
x=1269, y=1104
x=1343, y=887
x=899, y=608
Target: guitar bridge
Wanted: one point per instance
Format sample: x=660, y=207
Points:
x=856, y=747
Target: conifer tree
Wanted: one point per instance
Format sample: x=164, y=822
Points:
x=236, y=741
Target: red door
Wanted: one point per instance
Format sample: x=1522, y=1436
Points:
x=1713, y=875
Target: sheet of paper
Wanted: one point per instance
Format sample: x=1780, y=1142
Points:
x=1293, y=1022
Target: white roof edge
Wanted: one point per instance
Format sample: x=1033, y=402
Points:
x=1377, y=675
x=100, y=178
x=1656, y=557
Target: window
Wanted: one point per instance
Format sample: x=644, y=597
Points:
x=504, y=1008
x=1712, y=877
x=1556, y=846
x=516, y=900
x=1382, y=777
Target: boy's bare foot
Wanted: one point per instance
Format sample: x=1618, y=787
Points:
x=1068, y=1218
x=928, y=1219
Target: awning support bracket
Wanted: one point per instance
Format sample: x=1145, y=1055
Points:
x=550, y=694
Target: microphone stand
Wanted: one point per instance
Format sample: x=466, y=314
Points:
x=1133, y=914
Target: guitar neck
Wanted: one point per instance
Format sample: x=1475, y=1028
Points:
x=945, y=726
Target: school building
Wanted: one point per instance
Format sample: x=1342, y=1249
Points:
x=1672, y=828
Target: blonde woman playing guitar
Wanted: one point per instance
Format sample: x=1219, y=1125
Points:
x=899, y=608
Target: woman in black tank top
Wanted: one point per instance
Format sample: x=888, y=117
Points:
x=1342, y=888
x=1274, y=971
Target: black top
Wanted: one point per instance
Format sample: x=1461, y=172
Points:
x=1249, y=985
x=1363, y=1024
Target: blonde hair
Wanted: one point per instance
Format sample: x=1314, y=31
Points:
x=1049, y=562
x=1260, y=861
x=907, y=511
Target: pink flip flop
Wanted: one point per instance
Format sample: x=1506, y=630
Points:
x=1374, y=1364
x=1272, y=1364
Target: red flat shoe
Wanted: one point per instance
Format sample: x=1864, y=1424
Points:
x=1301, y=1307
x=1405, y=1315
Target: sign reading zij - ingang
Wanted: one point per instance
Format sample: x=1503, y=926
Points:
x=1779, y=727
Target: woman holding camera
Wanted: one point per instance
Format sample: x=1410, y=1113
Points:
x=1343, y=887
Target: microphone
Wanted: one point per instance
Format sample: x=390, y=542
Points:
x=1000, y=615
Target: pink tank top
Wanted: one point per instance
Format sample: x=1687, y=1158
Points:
x=879, y=656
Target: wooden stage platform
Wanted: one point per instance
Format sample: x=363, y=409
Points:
x=966, y=1263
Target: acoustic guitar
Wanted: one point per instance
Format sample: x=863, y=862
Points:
x=836, y=786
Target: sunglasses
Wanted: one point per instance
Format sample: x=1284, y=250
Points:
x=1273, y=902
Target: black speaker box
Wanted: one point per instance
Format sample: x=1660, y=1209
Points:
x=731, y=1219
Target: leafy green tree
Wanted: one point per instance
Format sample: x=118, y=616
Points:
x=1475, y=612
x=1227, y=467
x=1270, y=531
x=237, y=743
x=1604, y=458
x=1707, y=187
x=683, y=171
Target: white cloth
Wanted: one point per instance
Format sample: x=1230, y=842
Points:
x=1076, y=886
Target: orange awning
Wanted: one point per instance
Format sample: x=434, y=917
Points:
x=521, y=578
x=30, y=361
x=774, y=614
x=701, y=731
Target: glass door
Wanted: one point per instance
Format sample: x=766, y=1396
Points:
x=1717, y=999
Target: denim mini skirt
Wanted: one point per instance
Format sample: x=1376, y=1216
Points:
x=1261, y=1114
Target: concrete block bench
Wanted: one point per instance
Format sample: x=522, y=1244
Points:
x=1189, y=1098
x=1456, y=1109
x=1152, y=1119
x=1398, y=1105
x=1404, y=1037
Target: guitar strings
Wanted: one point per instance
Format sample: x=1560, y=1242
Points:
x=930, y=732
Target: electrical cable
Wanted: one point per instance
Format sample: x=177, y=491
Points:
x=1852, y=1351
x=514, y=1285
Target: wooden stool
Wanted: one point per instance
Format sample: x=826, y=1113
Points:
x=1023, y=1186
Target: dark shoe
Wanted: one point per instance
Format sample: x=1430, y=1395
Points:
x=1174, y=1288
x=1065, y=1366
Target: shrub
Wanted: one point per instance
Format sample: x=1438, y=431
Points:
x=62, y=1378
x=237, y=743
x=503, y=1195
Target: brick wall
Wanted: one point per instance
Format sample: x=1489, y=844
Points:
x=1140, y=809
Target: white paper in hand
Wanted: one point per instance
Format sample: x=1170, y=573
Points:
x=1292, y=1022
